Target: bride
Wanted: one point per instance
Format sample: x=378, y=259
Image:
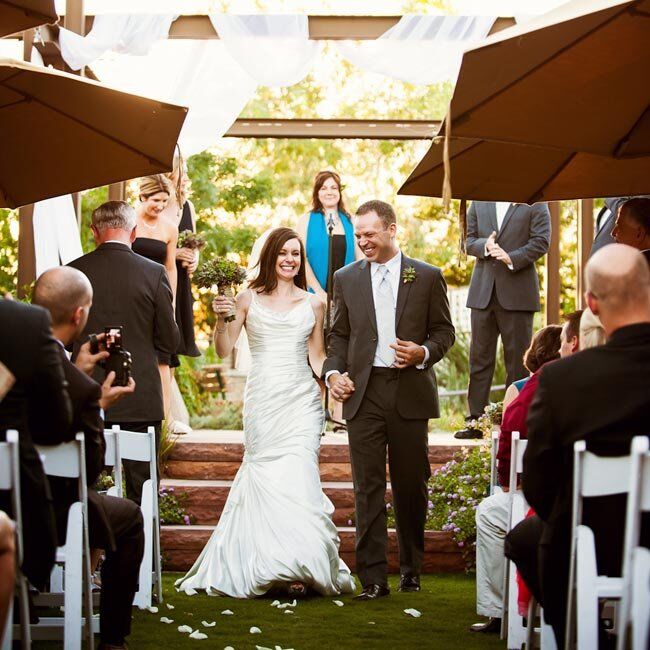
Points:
x=276, y=530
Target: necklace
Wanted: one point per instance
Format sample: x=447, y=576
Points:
x=146, y=225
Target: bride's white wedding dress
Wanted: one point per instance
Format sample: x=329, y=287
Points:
x=276, y=526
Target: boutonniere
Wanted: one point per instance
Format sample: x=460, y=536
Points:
x=409, y=274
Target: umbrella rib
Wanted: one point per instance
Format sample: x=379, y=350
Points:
x=463, y=117
x=88, y=126
x=428, y=171
x=625, y=140
x=552, y=177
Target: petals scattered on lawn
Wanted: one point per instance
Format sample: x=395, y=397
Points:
x=185, y=629
x=255, y=630
x=191, y=592
x=153, y=610
x=338, y=603
x=285, y=605
x=227, y=612
x=206, y=624
x=371, y=622
x=164, y=619
x=169, y=606
x=228, y=647
x=199, y=636
x=275, y=603
x=413, y=612
x=288, y=611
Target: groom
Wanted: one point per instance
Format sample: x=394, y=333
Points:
x=391, y=324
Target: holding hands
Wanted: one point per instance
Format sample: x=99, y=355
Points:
x=494, y=250
x=341, y=386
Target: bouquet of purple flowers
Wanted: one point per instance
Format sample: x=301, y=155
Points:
x=191, y=240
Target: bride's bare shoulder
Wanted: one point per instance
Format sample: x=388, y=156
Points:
x=317, y=304
x=244, y=298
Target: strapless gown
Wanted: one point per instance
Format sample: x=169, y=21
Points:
x=276, y=526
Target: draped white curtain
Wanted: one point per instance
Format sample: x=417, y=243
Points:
x=419, y=49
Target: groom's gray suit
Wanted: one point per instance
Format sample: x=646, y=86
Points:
x=389, y=408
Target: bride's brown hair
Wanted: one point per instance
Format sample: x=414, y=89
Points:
x=267, y=279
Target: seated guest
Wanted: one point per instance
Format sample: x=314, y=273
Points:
x=38, y=407
x=633, y=225
x=601, y=396
x=114, y=524
x=492, y=513
x=132, y=292
x=592, y=332
x=7, y=567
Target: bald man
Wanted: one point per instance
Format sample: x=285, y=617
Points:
x=114, y=524
x=599, y=395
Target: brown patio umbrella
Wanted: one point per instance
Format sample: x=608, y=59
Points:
x=60, y=133
x=574, y=78
x=19, y=15
x=499, y=171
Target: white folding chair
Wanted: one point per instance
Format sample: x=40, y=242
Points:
x=494, y=450
x=10, y=481
x=68, y=460
x=593, y=476
x=140, y=446
x=112, y=459
x=638, y=502
x=641, y=598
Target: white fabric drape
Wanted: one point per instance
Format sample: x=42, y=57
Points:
x=56, y=234
x=419, y=49
x=132, y=34
x=273, y=50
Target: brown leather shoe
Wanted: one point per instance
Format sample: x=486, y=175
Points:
x=373, y=592
x=491, y=626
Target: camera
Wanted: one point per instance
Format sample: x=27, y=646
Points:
x=119, y=360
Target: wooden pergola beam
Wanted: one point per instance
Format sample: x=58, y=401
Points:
x=321, y=28
x=333, y=129
x=553, y=287
x=585, y=242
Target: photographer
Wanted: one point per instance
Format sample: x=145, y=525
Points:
x=133, y=293
x=114, y=524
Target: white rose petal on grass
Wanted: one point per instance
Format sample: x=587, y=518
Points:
x=228, y=647
x=413, y=612
x=288, y=611
x=227, y=612
x=199, y=636
x=338, y=603
x=184, y=629
x=153, y=610
x=371, y=623
x=164, y=619
x=275, y=603
x=206, y=624
x=169, y=606
x=255, y=630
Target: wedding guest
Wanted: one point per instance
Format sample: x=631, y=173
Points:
x=144, y=310
x=158, y=243
x=327, y=205
x=506, y=239
x=609, y=404
x=38, y=407
x=606, y=220
x=632, y=225
x=492, y=513
x=7, y=568
x=592, y=332
x=115, y=524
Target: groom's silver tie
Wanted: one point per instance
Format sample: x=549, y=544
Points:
x=385, y=310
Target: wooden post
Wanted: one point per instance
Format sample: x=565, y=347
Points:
x=117, y=191
x=585, y=241
x=552, y=309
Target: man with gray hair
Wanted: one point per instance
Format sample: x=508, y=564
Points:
x=599, y=395
x=133, y=293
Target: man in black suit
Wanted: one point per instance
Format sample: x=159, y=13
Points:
x=606, y=220
x=114, y=524
x=38, y=407
x=391, y=325
x=599, y=395
x=133, y=292
x=632, y=225
x=506, y=239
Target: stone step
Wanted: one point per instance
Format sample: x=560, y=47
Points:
x=205, y=499
x=181, y=546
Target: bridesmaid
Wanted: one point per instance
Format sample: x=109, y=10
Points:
x=180, y=212
x=158, y=243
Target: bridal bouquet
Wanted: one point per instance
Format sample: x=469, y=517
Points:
x=191, y=240
x=223, y=274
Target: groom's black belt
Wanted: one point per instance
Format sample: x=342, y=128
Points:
x=388, y=372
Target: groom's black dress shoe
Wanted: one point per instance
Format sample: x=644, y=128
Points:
x=469, y=433
x=491, y=626
x=373, y=592
x=409, y=583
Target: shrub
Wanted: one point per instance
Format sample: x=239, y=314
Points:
x=171, y=506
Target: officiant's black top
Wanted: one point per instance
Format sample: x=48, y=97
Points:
x=338, y=255
x=184, y=298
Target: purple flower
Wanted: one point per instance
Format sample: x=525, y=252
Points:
x=430, y=505
x=186, y=519
x=461, y=544
x=457, y=530
x=389, y=506
x=171, y=489
x=463, y=508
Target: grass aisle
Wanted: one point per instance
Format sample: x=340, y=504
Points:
x=447, y=603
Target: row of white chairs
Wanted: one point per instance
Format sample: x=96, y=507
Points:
x=594, y=476
x=70, y=583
